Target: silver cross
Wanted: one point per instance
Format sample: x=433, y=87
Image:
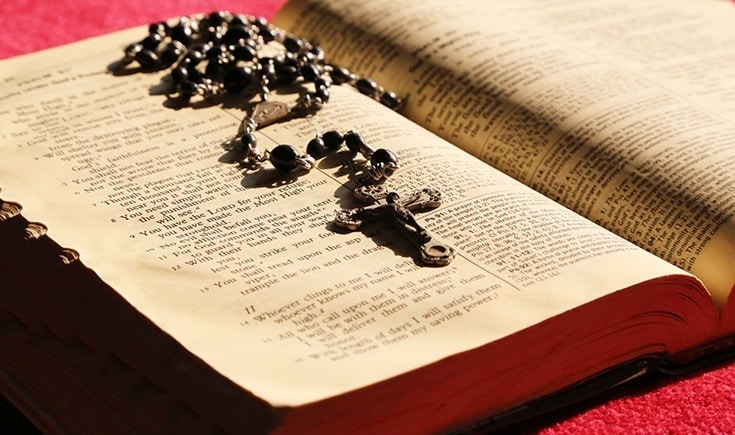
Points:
x=385, y=204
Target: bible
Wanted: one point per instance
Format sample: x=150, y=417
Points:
x=153, y=282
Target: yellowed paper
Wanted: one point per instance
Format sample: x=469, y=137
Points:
x=621, y=111
x=244, y=267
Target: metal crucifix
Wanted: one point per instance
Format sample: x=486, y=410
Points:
x=388, y=205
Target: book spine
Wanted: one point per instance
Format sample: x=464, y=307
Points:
x=99, y=365
x=35, y=375
x=13, y=223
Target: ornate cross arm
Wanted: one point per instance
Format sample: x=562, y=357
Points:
x=389, y=205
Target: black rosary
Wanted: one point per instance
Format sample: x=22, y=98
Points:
x=224, y=54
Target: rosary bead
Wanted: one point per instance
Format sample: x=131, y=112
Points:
x=160, y=28
x=318, y=53
x=293, y=44
x=283, y=157
x=384, y=157
x=179, y=74
x=390, y=100
x=287, y=73
x=304, y=58
x=248, y=142
x=214, y=71
x=217, y=18
x=268, y=71
x=244, y=52
x=239, y=20
x=151, y=41
x=354, y=141
x=217, y=52
x=169, y=55
x=264, y=30
x=194, y=57
x=340, y=75
x=132, y=49
x=316, y=147
x=182, y=32
x=238, y=78
x=235, y=34
x=322, y=82
x=286, y=59
x=214, y=35
x=367, y=86
x=280, y=59
x=322, y=93
x=147, y=59
x=311, y=72
x=333, y=139
x=322, y=86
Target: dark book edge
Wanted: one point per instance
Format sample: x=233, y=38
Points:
x=13, y=411
x=709, y=355
x=563, y=399
x=33, y=267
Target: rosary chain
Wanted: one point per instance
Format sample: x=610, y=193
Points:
x=223, y=54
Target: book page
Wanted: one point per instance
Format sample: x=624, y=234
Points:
x=244, y=266
x=621, y=111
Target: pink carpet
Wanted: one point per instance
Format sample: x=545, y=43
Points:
x=700, y=403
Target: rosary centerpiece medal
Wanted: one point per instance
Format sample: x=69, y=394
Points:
x=384, y=204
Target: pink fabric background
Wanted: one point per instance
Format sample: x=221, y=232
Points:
x=700, y=403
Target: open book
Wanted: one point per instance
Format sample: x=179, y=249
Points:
x=583, y=150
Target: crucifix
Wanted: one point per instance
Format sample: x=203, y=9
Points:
x=389, y=205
